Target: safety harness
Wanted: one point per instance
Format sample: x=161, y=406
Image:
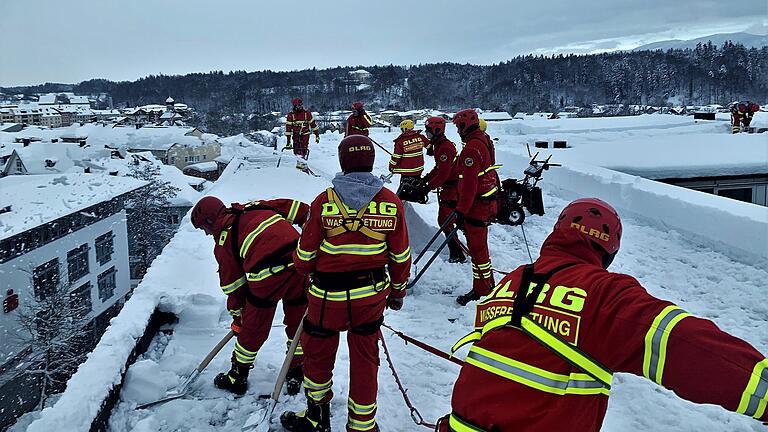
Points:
x=274, y=263
x=520, y=319
x=348, y=224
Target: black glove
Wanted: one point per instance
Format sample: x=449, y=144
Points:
x=460, y=220
x=394, y=303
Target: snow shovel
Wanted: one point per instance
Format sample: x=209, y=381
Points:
x=259, y=421
x=182, y=390
x=380, y=146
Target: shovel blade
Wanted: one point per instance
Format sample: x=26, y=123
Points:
x=259, y=420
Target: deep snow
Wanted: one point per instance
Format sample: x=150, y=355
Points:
x=695, y=271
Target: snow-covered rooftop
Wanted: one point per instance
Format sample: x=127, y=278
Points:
x=203, y=166
x=38, y=199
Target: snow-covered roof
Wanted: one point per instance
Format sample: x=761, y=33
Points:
x=38, y=199
x=495, y=116
x=169, y=100
x=47, y=158
x=203, y=167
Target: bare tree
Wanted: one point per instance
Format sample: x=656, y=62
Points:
x=149, y=228
x=56, y=327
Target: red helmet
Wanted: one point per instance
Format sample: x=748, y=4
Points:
x=356, y=153
x=357, y=106
x=205, y=213
x=435, y=126
x=466, y=121
x=595, y=220
x=753, y=107
x=296, y=101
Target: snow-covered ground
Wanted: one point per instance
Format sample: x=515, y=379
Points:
x=704, y=273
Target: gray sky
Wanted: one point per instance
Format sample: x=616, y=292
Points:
x=75, y=40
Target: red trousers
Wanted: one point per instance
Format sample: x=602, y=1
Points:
x=301, y=145
x=351, y=316
x=476, y=230
x=288, y=286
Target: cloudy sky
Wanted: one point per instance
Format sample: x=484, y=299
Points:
x=70, y=41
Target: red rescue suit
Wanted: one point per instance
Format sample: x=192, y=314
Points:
x=257, y=271
x=741, y=115
x=298, y=126
x=408, y=155
x=512, y=382
x=477, y=188
x=358, y=124
x=347, y=253
x=444, y=177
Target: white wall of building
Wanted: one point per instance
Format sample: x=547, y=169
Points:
x=16, y=274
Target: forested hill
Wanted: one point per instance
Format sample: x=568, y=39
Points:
x=704, y=75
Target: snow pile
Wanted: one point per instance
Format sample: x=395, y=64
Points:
x=696, y=272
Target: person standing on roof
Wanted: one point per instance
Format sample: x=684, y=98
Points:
x=553, y=351
x=254, y=243
x=298, y=126
x=355, y=244
x=359, y=121
x=408, y=160
x=741, y=115
x=444, y=177
x=476, y=203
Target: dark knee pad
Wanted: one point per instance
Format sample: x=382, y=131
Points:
x=368, y=328
x=317, y=331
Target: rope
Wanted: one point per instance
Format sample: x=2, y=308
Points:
x=428, y=348
x=415, y=414
x=526, y=244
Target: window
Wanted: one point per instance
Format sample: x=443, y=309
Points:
x=19, y=165
x=107, y=284
x=77, y=262
x=105, y=246
x=45, y=278
x=741, y=194
x=173, y=218
x=80, y=299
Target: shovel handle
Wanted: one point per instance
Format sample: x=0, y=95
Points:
x=287, y=361
x=215, y=351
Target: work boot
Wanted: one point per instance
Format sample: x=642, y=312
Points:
x=294, y=379
x=456, y=254
x=236, y=380
x=468, y=297
x=301, y=165
x=316, y=418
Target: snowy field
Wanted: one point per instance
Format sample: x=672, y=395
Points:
x=704, y=274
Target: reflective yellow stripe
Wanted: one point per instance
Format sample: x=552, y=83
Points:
x=490, y=192
x=293, y=211
x=408, y=170
x=408, y=155
x=458, y=425
x=354, y=294
x=243, y=355
x=223, y=237
x=351, y=224
x=534, y=377
x=230, y=288
x=395, y=156
x=263, y=274
x=489, y=169
x=316, y=391
x=470, y=338
x=256, y=232
x=656, y=342
x=235, y=312
x=299, y=349
x=400, y=286
x=361, y=425
x=362, y=410
x=304, y=255
x=755, y=397
x=353, y=249
x=401, y=257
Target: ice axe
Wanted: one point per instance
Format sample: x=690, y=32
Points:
x=259, y=421
x=182, y=390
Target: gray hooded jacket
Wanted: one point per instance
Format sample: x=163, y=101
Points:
x=357, y=189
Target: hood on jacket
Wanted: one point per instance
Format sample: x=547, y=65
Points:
x=356, y=189
x=571, y=244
